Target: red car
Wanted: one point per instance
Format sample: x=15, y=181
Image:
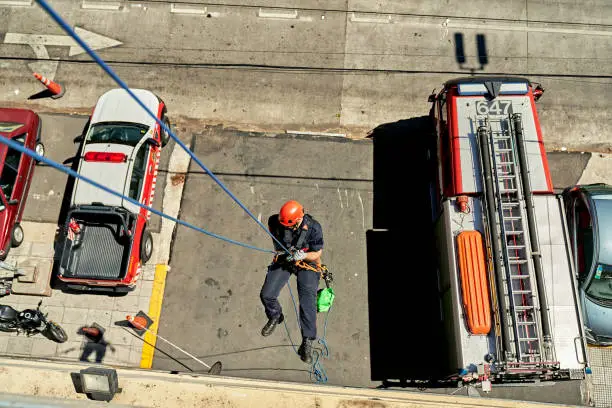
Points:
x=16, y=171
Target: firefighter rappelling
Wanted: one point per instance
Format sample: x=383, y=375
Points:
x=303, y=236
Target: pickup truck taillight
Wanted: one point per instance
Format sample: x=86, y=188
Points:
x=105, y=157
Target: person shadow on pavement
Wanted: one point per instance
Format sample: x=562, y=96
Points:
x=96, y=344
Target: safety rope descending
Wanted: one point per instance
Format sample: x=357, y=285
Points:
x=317, y=371
x=72, y=33
x=20, y=148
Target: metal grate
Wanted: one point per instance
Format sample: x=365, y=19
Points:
x=100, y=254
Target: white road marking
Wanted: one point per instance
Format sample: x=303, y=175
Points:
x=95, y=41
x=486, y=25
x=340, y=198
x=303, y=132
x=277, y=13
x=532, y=27
x=362, y=209
x=19, y=3
x=370, y=18
x=101, y=5
x=182, y=8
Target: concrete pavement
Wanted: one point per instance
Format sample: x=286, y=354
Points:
x=74, y=310
x=338, y=66
x=223, y=317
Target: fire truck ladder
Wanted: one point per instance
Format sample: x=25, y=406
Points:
x=511, y=230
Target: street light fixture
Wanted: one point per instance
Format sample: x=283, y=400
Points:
x=100, y=384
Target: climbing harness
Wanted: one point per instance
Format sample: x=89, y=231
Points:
x=317, y=371
x=325, y=297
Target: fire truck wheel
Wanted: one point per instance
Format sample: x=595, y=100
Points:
x=146, y=246
x=16, y=236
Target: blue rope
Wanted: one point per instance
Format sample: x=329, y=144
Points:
x=59, y=20
x=317, y=371
x=17, y=146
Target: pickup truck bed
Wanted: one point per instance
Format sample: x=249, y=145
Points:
x=100, y=251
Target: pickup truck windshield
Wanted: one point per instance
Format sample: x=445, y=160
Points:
x=600, y=287
x=117, y=132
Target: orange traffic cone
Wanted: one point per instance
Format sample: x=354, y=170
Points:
x=140, y=323
x=56, y=90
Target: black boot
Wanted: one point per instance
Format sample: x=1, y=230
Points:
x=305, y=350
x=271, y=325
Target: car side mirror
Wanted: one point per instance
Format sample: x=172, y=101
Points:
x=78, y=139
x=152, y=142
x=14, y=201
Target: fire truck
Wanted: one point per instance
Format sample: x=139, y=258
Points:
x=506, y=279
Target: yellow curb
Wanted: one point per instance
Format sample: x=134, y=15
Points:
x=155, y=306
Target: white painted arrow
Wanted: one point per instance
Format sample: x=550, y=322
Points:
x=93, y=40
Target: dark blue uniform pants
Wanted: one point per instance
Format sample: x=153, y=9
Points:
x=307, y=285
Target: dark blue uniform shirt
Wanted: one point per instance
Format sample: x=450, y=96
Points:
x=314, y=234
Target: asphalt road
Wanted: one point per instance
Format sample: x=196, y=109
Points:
x=343, y=65
x=383, y=321
x=346, y=66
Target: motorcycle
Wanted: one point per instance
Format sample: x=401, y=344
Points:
x=30, y=322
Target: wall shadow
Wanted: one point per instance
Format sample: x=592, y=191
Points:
x=406, y=340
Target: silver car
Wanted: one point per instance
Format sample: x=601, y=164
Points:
x=589, y=213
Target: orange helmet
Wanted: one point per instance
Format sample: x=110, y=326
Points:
x=290, y=213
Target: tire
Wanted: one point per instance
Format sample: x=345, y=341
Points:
x=146, y=246
x=165, y=136
x=16, y=236
x=55, y=332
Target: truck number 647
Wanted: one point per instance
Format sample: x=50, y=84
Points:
x=493, y=107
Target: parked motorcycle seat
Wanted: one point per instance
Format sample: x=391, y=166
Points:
x=7, y=313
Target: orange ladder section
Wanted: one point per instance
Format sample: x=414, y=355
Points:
x=474, y=286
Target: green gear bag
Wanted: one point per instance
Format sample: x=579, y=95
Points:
x=325, y=299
